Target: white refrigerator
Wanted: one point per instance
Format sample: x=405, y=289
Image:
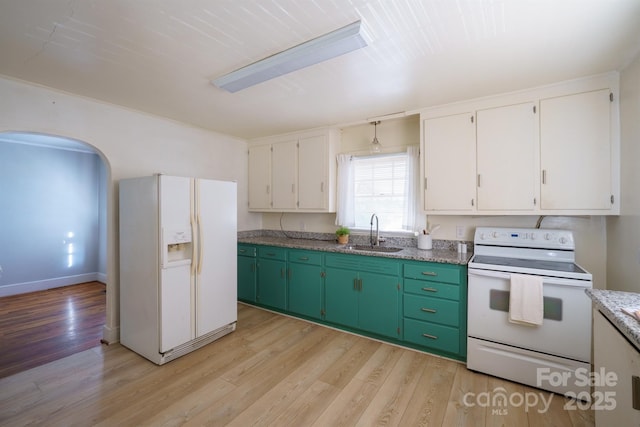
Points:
x=178, y=274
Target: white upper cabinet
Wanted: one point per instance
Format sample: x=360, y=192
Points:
x=301, y=172
x=449, y=163
x=506, y=157
x=575, y=147
x=313, y=173
x=551, y=150
x=260, y=177
x=284, y=168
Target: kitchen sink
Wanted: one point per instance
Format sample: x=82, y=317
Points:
x=375, y=248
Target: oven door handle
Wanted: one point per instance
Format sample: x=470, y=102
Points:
x=547, y=280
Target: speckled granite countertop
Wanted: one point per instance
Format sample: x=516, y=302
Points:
x=442, y=250
x=611, y=303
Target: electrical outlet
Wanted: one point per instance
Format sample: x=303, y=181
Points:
x=461, y=230
x=302, y=226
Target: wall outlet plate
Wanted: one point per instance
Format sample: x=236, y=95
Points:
x=461, y=230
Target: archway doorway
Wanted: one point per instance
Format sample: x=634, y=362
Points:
x=53, y=221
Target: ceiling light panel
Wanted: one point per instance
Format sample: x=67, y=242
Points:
x=327, y=46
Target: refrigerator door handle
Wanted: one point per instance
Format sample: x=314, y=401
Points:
x=195, y=237
x=200, y=245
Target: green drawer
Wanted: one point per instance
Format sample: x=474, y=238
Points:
x=434, y=310
x=305, y=257
x=430, y=335
x=432, y=271
x=432, y=289
x=245, y=250
x=272, y=253
x=364, y=263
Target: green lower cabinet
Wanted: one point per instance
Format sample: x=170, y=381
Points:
x=422, y=305
x=378, y=305
x=363, y=300
x=306, y=280
x=341, y=297
x=272, y=277
x=435, y=308
x=247, y=275
x=431, y=335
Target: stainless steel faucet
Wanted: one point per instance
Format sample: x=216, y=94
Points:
x=374, y=241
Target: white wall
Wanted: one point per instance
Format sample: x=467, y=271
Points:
x=132, y=144
x=623, y=232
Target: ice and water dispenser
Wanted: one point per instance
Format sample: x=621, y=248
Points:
x=177, y=247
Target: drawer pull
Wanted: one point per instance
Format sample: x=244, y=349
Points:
x=428, y=310
x=430, y=289
x=433, y=337
x=429, y=273
x=271, y=254
x=304, y=258
x=242, y=251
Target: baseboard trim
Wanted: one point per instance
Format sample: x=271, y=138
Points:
x=110, y=335
x=42, y=285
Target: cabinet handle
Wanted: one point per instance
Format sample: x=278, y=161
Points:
x=360, y=284
x=429, y=273
x=430, y=289
x=322, y=187
x=355, y=284
x=433, y=337
x=304, y=258
x=293, y=188
x=253, y=268
x=271, y=254
x=428, y=310
x=282, y=273
x=289, y=273
x=544, y=176
x=478, y=180
x=242, y=251
x=472, y=202
x=268, y=189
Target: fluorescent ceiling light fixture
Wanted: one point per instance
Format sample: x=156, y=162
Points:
x=330, y=45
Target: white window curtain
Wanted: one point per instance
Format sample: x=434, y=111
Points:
x=411, y=188
x=346, y=196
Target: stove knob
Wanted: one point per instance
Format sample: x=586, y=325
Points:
x=482, y=236
x=533, y=236
x=495, y=234
x=548, y=236
x=563, y=240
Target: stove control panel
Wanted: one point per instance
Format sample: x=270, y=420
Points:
x=525, y=237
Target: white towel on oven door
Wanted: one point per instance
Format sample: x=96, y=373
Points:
x=526, y=304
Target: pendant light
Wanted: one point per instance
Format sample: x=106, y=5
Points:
x=375, y=144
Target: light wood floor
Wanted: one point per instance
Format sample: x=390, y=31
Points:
x=273, y=370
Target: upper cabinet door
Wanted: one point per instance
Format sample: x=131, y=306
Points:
x=450, y=163
x=260, y=177
x=284, y=174
x=575, y=151
x=312, y=173
x=507, y=158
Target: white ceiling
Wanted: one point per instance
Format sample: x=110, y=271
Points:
x=159, y=55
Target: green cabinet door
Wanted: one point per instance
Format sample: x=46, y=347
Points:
x=272, y=283
x=305, y=289
x=246, y=279
x=247, y=276
x=341, y=297
x=378, y=305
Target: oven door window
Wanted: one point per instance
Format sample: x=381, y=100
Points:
x=499, y=300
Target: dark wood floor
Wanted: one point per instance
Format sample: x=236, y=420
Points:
x=40, y=327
